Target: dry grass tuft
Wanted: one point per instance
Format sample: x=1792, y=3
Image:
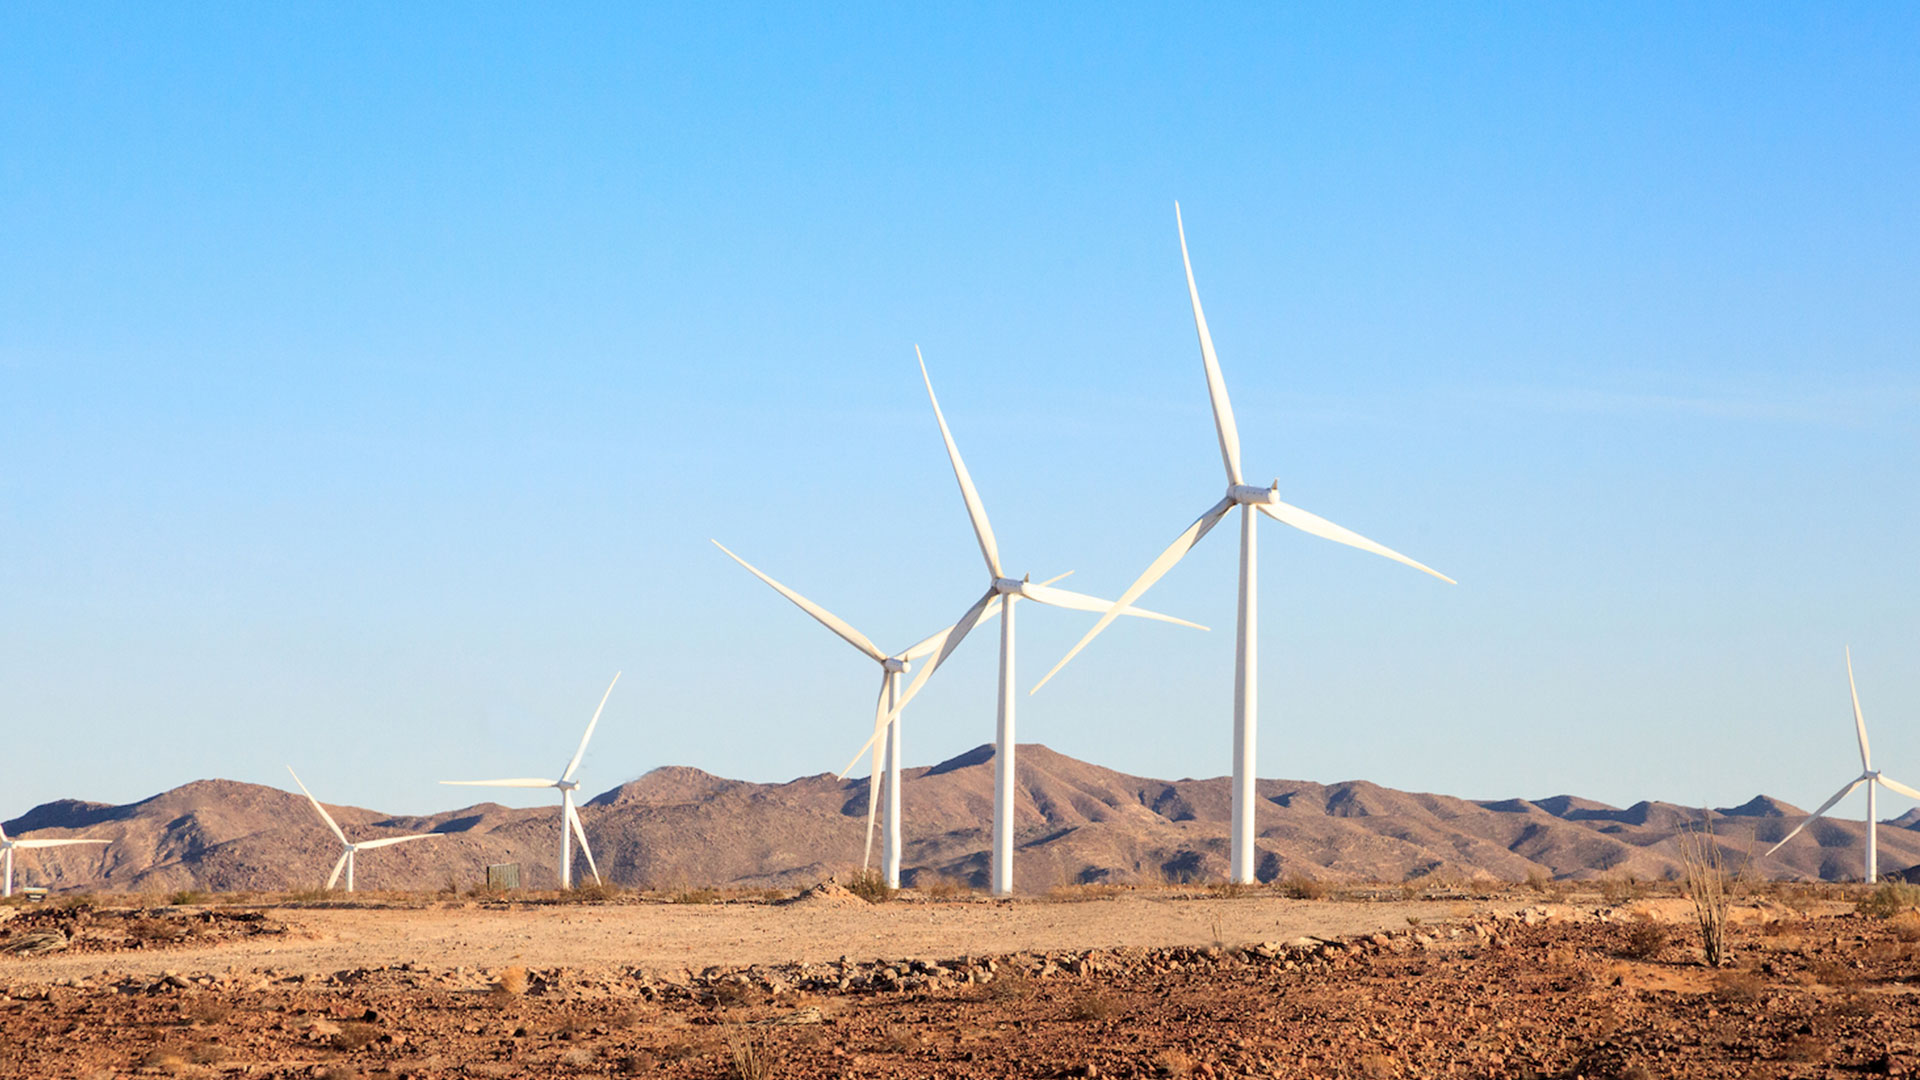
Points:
x=1173, y=1063
x=355, y=1034
x=941, y=887
x=1739, y=986
x=511, y=983
x=749, y=1056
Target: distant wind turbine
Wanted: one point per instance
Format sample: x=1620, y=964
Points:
x=347, y=857
x=7, y=845
x=569, y=817
x=1248, y=497
x=1868, y=776
x=1007, y=591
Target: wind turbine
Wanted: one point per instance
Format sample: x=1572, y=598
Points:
x=884, y=718
x=347, y=857
x=7, y=844
x=1007, y=591
x=1868, y=776
x=569, y=817
x=1249, y=498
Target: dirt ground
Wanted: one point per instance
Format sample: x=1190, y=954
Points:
x=1129, y=985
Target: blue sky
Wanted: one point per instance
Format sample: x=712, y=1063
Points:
x=371, y=380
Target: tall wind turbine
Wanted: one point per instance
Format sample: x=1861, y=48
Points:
x=7, y=844
x=1007, y=591
x=1868, y=776
x=1249, y=498
x=885, y=719
x=569, y=817
x=347, y=857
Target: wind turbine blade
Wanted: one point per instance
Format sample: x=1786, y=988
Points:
x=1308, y=522
x=1859, y=722
x=975, y=509
x=826, y=618
x=337, y=867
x=930, y=645
x=954, y=637
x=524, y=781
x=1082, y=602
x=1175, y=551
x=591, y=724
x=1216, y=384
x=56, y=843
x=1815, y=816
x=580, y=834
x=389, y=841
x=324, y=816
x=1900, y=787
x=3, y=835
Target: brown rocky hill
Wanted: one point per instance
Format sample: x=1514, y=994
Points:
x=679, y=827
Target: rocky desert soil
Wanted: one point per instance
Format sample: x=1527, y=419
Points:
x=1123, y=984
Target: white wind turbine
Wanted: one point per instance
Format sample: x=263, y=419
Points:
x=7, y=844
x=347, y=857
x=1249, y=497
x=1868, y=776
x=891, y=668
x=570, y=826
x=1007, y=591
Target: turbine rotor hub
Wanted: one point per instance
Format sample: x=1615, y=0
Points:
x=1007, y=586
x=1246, y=494
x=567, y=785
x=894, y=663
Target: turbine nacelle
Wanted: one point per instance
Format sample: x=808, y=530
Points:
x=896, y=664
x=1003, y=586
x=567, y=785
x=1254, y=494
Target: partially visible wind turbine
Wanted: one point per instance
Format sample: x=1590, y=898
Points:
x=891, y=668
x=1249, y=498
x=347, y=857
x=1007, y=591
x=6, y=854
x=1868, y=776
x=570, y=826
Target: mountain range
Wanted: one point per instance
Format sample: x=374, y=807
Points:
x=1077, y=823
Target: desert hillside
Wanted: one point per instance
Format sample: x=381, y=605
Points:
x=679, y=827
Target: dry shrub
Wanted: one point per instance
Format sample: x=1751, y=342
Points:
x=511, y=983
x=1707, y=886
x=186, y=898
x=1645, y=938
x=1538, y=881
x=594, y=892
x=206, y=1053
x=145, y=929
x=750, y=1057
x=1173, y=1062
x=1619, y=890
x=871, y=886
x=164, y=1059
x=1906, y=926
x=1229, y=890
x=1091, y=1005
x=695, y=896
x=1889, y=899
x=1301, y=887
x=898, y=1039
x=1376, y=1066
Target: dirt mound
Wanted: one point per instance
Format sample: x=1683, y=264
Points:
x=828, y=894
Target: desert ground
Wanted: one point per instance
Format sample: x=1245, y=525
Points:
x=1468, y=982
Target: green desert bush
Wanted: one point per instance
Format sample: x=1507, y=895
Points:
x=1888, y=899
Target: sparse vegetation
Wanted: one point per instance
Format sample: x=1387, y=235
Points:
x=1646, y=937
x=511, y=982
x=1707, y=887
x=1300, y=887
x=749, y=1056
x=1889, y=899
x=1091, y=1005
x=186, y=898
x=590, y=892
x=871, y=886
